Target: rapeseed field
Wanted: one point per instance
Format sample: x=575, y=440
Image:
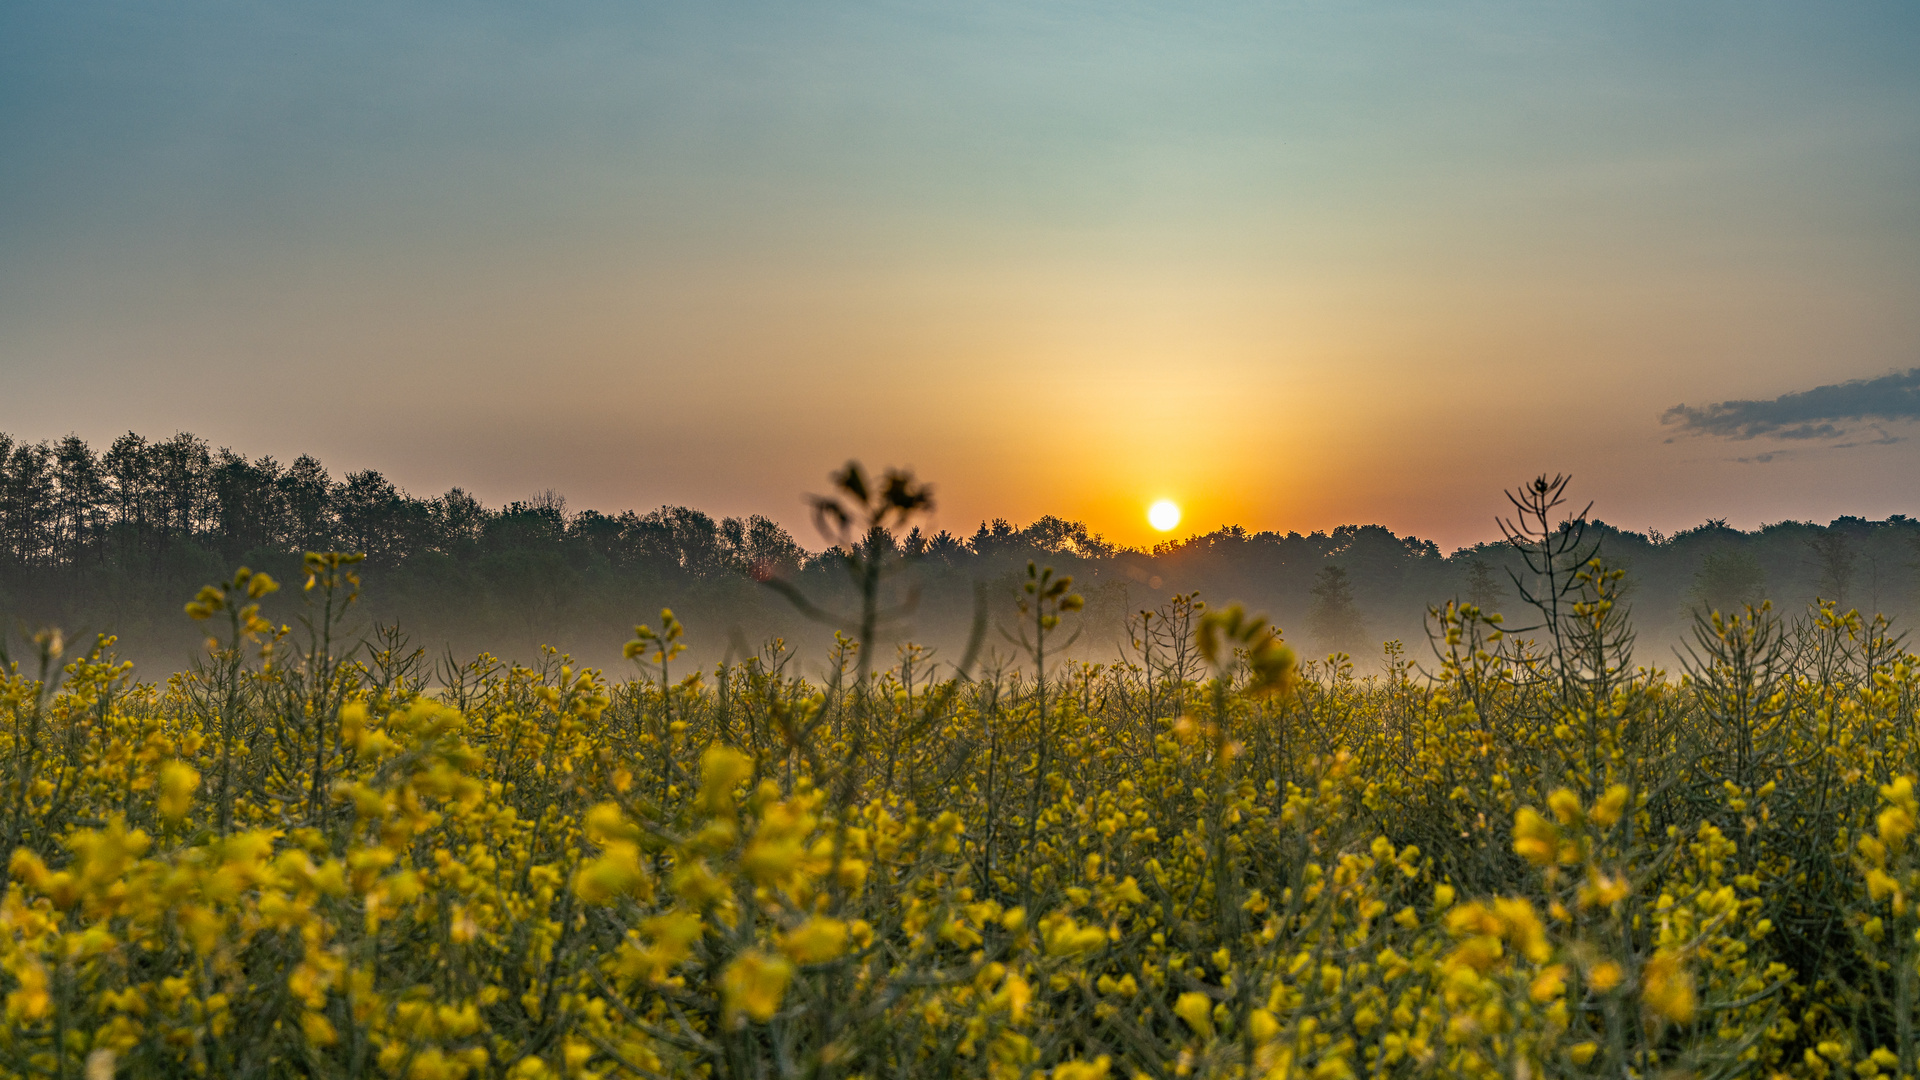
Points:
x=1528, y=855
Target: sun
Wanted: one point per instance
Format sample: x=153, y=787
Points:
x=1164, y=515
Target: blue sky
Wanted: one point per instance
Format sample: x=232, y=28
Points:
x=1291, y=264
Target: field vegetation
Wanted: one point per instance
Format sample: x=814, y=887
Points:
x=1531, y=854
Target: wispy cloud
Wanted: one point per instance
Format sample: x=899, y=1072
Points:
x=1824, y=412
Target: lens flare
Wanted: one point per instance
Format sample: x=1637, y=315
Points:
x=1163, y=515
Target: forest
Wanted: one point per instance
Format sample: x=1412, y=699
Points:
x=109, y=541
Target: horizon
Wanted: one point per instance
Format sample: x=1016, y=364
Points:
x=929, y=524
x=1284, y=266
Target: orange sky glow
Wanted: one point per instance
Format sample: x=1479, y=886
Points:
x=1287, y=266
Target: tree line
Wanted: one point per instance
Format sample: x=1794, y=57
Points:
x=114, y=541
x=63, y=504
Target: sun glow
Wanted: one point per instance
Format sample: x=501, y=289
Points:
x=1163, y=515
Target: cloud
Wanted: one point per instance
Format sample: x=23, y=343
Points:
x=1823, y=412
x=1884, y=440
x=1765, y=457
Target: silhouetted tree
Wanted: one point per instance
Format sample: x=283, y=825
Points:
x=80, y=496
x=308, y=493
x=1834, y=557
x=248, y=512
x=132, y=492
x=1334, y=620
x=1484, y=589
x=180, y=469
x=1728, y=580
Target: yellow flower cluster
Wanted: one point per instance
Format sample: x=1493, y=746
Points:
x=1542, y=860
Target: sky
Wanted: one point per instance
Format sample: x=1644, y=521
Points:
x=1290, y=265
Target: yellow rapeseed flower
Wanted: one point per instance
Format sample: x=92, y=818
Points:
x=1566, y=806
x=1895, y=825
x=1608, y=809
x=1604, y=890
x=1667, y=988
x=1065, y=937
x=1096, y=1069
x=1523, y=928
x=1015, y=995
x=30, y=1000
x=721, y=769
x=1604, y=976
x=178, y=780
x=318, y=1029
x=1535, y=839
x=754, y=984
x=1549, y=984
x=1197, y=1010
x=617, y=872
x=815, y=941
